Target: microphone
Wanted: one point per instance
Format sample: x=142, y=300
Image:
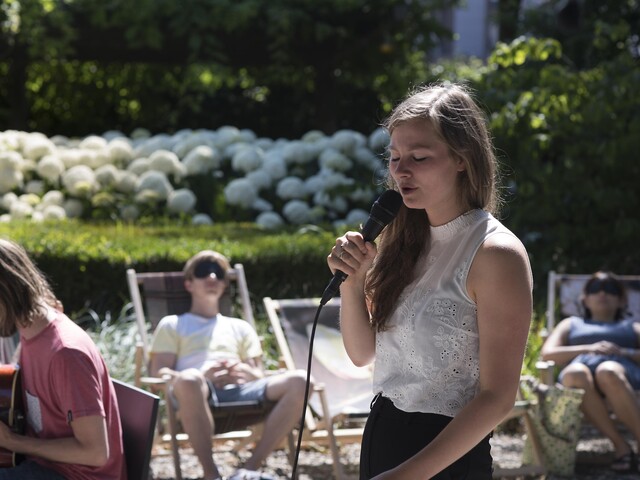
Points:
x=383, y=211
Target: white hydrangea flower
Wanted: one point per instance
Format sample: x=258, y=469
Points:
x=269, y=220
x=361, y=195
x=129, y=213
x=59, y=140
x=247, y=159
x=264, y=143
x=35, y=187
x=50, y=167
x=140, y=133
x=80, y=181
x=120, y=151
x=260, y=179
x=314, y=184
x=275, y=164
x=201, y=219
x=11, y=159
x=7, y=199
x=181, y=201
x=126, y=182
x=297, y=152
x=37, y=217
x=346, y=141
x=156, y=182
x=96, y=158
x=247, y=135
x=335, y=179
x=262, y=205
x=5, y=218
x=20, y=209
x=313, y=136
x=166, y=162
x=367, y=158
x=53, y=197
x=192, y=140
x=73, y=208
x=147, y=146
x=357, y=216
x=139, y=166
x=336, y=203
x=240, y=192
x=10, y=140
x=296, y=212
x=202, y=159
x=379, y=140
x=36, y=146
x=107, y=175
x=111, y=134
x=54, y=212
x=70, y=157
x=10, y=179
x=93, y=142
x=332, y=159
x=291, y=188
x=226, y=135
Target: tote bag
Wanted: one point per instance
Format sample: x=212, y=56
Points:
x=556, y=420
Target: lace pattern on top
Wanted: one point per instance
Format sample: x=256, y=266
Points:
x=427, y=360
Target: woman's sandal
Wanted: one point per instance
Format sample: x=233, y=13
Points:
x=625, y=463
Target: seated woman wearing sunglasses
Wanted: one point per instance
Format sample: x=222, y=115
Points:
x=600, y=353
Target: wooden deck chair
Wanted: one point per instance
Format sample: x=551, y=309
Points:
x=138, y=415
x=563, y=300
x=157, y=294
x=344, y=389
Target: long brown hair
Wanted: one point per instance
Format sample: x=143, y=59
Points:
x=462, y=126
x=24, y=291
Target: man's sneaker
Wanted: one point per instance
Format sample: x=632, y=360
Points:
x=244, y=474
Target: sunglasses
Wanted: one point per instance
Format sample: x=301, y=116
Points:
x=205, y=268
x=603, y=286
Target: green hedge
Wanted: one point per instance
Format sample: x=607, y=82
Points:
x=86, y=263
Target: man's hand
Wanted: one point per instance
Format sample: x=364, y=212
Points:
x=229, y=372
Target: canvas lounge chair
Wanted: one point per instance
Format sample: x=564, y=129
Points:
x=563, y=300
x=344, y=390
x=157, y=294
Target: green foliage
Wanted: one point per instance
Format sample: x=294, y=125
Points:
x=86, y=263
x=205, y=63
x=568, y=141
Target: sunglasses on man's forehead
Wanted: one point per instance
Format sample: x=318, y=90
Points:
x=605, y=286
x=205, y=268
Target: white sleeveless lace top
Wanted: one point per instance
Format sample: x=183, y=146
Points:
x=427, y=360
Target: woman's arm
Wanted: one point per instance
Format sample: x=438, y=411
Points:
x=555, y=348
x=500, y=283
x=354, y=256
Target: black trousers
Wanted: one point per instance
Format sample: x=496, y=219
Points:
x=392, y=436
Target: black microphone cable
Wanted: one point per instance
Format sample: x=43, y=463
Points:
x=306, y=394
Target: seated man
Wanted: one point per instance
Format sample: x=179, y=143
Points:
x=210, y=356
x=72, y=419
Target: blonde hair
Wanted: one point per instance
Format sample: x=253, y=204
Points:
x=462, y=125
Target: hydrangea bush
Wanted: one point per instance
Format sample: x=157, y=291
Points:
x=205, y=176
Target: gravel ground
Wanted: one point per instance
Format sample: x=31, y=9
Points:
x=593, y=458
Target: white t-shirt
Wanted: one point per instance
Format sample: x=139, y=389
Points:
x=197, y=340
x=427, y=361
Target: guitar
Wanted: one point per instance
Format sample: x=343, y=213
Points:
x=11, y=409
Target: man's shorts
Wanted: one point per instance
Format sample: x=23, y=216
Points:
x=252, y=406
x=254, y=391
